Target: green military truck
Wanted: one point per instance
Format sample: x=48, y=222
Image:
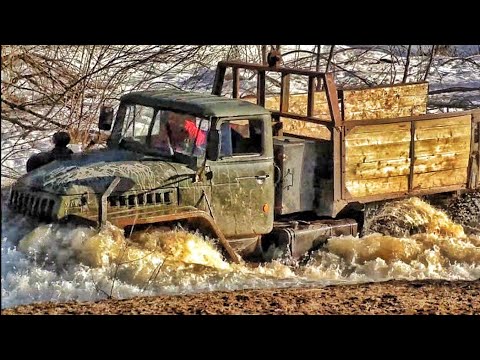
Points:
x=283, y=171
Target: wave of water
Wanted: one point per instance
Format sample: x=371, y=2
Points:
x=55, y=262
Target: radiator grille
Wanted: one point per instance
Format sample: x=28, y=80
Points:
x=32, y=204
x=164, y=197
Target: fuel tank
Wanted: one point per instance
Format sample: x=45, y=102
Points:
x=297, y=238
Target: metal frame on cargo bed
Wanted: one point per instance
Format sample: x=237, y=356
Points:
x=340, y=128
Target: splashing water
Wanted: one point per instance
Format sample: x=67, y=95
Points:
x=54, y=262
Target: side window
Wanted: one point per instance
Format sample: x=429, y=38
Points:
x=241, y=137
x=181, y=133
x=137, y=122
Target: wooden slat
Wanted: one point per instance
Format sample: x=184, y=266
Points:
x=442, y=132
x=440, y=178
x=381, y=128
x=439, y=160
x=378, y=138
x=380, y=151
x=302, y=128
x=360, y=188
x=385, y=102
x=445, y=145
x=446, y=121
x=371, y=113
x=378, y=169
x=430, y=117
x=409, y=89
x=375, y=104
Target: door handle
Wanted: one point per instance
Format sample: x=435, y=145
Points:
x=256, y=177
x=262, y=177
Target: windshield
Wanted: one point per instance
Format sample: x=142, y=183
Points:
x=164, y=132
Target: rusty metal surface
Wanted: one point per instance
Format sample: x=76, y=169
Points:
x=219, y=79
x=259, y=67
x=474, y=160
x=332, y=99
x=412, y=156
x=261, y=88
x=311, y=95
x=300, y=237
x=236, y=83
x=285, y=72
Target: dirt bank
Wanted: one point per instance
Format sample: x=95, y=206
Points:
x=393, y=297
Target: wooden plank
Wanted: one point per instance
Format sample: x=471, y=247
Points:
x=378, y=138
x=385, y=102
x=394, y=154
x=448, y=121
x=440, y=178
x=408, y=102
x=355, y=123
x=409, y=89
x=271, y=102
x=446, y=145
x=443, y=132
x=429, y=159
x=377, y=169
x=441, y=163
x=381, y=150
x=360, y=188
x=381, y=113
x=302, y=128
x=298, y=104
x=380, y=128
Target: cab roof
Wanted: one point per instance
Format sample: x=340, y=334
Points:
x=195, y=103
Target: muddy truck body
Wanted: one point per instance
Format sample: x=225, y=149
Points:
x=273, y=172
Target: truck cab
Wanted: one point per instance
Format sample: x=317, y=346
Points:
x=226, y=143
x=172, y=156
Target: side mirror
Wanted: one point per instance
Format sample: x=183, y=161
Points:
x=212, y=145
x=105, y=119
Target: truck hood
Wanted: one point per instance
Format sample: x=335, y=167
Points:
x=93, y=172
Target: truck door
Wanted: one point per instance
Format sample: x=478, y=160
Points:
x=242, y=178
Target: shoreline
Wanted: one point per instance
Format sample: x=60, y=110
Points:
x=394, y=297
